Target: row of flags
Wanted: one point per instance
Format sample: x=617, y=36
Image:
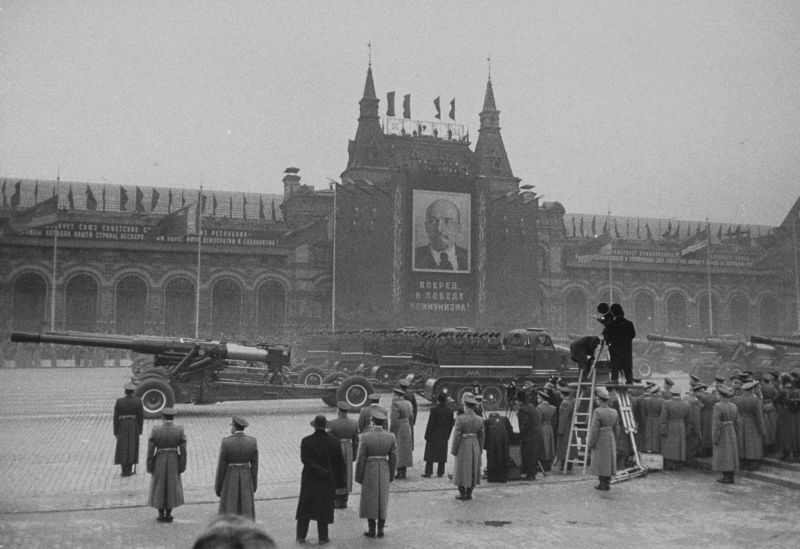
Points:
x=407, y=106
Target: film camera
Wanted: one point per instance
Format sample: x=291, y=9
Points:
x=605, y=317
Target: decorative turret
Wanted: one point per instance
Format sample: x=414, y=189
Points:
x=490, y=153
x=366, y=148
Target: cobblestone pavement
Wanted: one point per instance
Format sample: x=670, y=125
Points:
x=59, y=487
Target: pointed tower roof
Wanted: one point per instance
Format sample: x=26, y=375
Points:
x=367, y=147
x=369, y=85
x=490, y=153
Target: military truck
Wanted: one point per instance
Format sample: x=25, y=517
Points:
x=184, y=370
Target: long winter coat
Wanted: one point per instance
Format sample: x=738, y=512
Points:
x=547, y=416
x=345, y=430
x=708, y=400
x=530, y=438
x=323, y=472
x=750, y=441
x=602, y=441
x=676, y=421
x=694, y=440
x=788, y=404
x=497, y=443
x=565, y=411
x=768, y=395
x=437, y=433
x=375, y=469
x=237, y=475
x=651, y=411
x=166, y=460
x=724, y=427
x=467, y=446
x=400, y=426
x=128, y=424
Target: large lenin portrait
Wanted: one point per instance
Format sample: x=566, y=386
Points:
x=441, y=231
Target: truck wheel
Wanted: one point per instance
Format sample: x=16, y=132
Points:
x=156, y=394
x=330, y=399
x=493, y=397
x=310, y=376
x=644, y=370
x=334, y=378
x=354, y=390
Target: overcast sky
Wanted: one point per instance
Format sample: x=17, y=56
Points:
x=681, y=110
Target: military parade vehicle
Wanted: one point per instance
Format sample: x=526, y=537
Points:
x=182, y=370
x=790, y=358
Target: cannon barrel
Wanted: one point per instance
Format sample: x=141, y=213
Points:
x=673, y=339
x=147, y=344
x=775, y=341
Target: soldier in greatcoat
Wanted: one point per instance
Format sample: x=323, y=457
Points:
x=237, y=472
x=128, y=425
x=547, y=418
x=708, y=399
x=724, y=428
x=375, y=469
x=467, y=447
x=400, y=426
x=323, y=472
x=602, y=440
x=437, y=433
x=652, y=404
x=565, y=411
x=365, y=416
x=345, y=430
x=676, y=422
x=768, y=394
x=751, y=436
x=497, y=443
x=409, y=395
x=166, y=461
x=788, y=404
x=694, y=439
x=530, y=437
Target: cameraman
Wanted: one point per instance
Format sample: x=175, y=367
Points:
x=619, y=334
x=582, y=351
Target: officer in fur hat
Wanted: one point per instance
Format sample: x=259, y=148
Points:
x=237, y=472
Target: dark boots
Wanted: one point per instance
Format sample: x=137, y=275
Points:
x=370, y=533
x=340, y=501
x=604, y=483
x=164, y=515
x=727, y=477
x=401, y=473
x=381, y=524
x=462, y=493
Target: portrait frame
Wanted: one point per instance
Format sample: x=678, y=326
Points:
x=421, y=199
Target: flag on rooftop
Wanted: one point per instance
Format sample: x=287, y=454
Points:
x=178, y=223
x=42, y=214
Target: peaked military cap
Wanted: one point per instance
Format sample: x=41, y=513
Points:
x=398, y=391
x=343, y=405
x=602, y=392
x=168, y=412
x=130, y=387
x=374, y=397
x=239, y=421
x=724, y=390
x=668, y=381
x=377, y=414
x=404, y=383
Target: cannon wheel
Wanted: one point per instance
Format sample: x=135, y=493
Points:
x=354, y=390
x=493, y=397
x=311, y=376
x=156, y=394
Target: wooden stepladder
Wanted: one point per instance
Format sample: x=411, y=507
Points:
x=577, y=452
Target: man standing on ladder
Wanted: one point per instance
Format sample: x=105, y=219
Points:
x=619, y=333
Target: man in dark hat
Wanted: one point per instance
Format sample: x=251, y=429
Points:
x=128, y=424
x=497, y=444
x=366, y=413
x=437, y=433
x=237, y=472
x=530, y=437
x=375, y=469
x=601, y=441
x=323, y=473
x=166, y=461
x=725, y=425
x=345, y=430
x=619, y=335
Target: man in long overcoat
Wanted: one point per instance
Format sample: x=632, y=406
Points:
x=530, y=437
x=676, y=422
x=497, y=444
x=400, y=426
x=565, y=411
x=602, y=440
x=467, y=446
x=724, y=428
x=323, y=472
x=437, y=433
x=547, y=418
x=345, y=430
x=708, y=399
x=694, y=439
x=237, y=472
x=619, y=334
x=410, y=396
x=375, y=469
x=365, y=415
x=751, y=436
x=652, y=405
x=166, y=461
x=128, y=425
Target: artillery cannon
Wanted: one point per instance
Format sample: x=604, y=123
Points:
x=184, y=370
x=775, y=341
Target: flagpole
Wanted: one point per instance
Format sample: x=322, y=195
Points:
x=55, y=259
x=199, y=248
x=796, y=270
x=333, y=279
x=708, y=276
x=610, y=275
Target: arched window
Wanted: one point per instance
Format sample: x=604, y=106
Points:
x=131, y=305
x=576, y=312
x=644, y=314
x=676, y=315
x=770, y=314
x=271, y=315
x=179, y=305
x=81, y=304
x=30, y=302
x=740, y=315
x=226, y=309
x=702, y=315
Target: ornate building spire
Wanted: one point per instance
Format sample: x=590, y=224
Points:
x=365, y=149
x=490, y=153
